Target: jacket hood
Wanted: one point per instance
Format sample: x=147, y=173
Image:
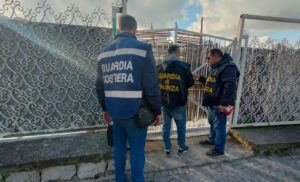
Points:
x=170, y=61
x=226, y=58
x=173, y=61
x=171, y=58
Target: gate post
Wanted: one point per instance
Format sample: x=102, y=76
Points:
x=234, y=48
x=175, y=33
x=124, y=7
x=114, y=21
x=115, y=10
x=240, y=82
x=239, y=35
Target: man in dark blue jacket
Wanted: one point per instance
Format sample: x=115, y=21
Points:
x=175, y=78
x=126, y=78
x=219, y=95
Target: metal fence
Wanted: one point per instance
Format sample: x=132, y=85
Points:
x=268, y=91
x=48, y=61
x=48, y=67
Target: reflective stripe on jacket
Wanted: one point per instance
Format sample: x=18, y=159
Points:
x=126, y=73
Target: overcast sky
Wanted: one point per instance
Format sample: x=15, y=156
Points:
x=220, y=16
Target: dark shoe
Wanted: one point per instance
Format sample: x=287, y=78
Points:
x=214, y=153
x=168, y=153
x=206, y=143
x=180, y=151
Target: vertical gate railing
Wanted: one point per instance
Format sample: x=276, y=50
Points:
x=269, y=87
x=194, y=47
x=47, y=67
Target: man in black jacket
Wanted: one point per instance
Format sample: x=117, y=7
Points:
x=175, y=78
x=219, y=96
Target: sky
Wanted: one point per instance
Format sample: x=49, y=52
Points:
x=220, y=16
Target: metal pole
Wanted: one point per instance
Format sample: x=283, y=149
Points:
x=187, y=32
x=270, y=18
x=124, y=7
x=114, y=21
x=199, y=68
x=234, y=49
x=240, y=33
x=201, y=30
x=240, y=82
x=237, y=56
x=152, y=33
x=175, y=33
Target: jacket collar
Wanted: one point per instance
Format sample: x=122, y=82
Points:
x=126, y=34
x=226, y=58
x=171, y=58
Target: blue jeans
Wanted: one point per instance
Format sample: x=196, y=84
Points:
x=217, y=135
x=124, y=130
x=179, y=115
x=211, y=117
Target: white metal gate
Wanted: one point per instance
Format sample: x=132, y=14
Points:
x=269, y=84
x=48, y=67
x=194, y=47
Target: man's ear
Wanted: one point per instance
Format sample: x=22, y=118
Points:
x=134, y=32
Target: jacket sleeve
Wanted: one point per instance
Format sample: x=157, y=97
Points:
x=229, y=78
x=150, y=83
x=190, y=79
x=202, y=79
x=100, y=88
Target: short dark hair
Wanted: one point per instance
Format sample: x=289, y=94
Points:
x=173, y=48
x=127, y=22
x=216, y=51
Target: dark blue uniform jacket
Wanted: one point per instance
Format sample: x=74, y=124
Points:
x=126, y=74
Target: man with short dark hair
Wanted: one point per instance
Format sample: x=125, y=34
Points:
x=126, y=78
x=219, y=97
x=175, y=78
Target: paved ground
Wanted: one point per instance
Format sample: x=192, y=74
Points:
x=275, y=168
x=236, y=165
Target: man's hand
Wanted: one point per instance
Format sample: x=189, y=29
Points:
x=196, y=77
x=227, y=110
x=157, y=120
x=221, y=108
x=106, y=117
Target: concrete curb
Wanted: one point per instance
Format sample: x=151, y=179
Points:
x=262, y=143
